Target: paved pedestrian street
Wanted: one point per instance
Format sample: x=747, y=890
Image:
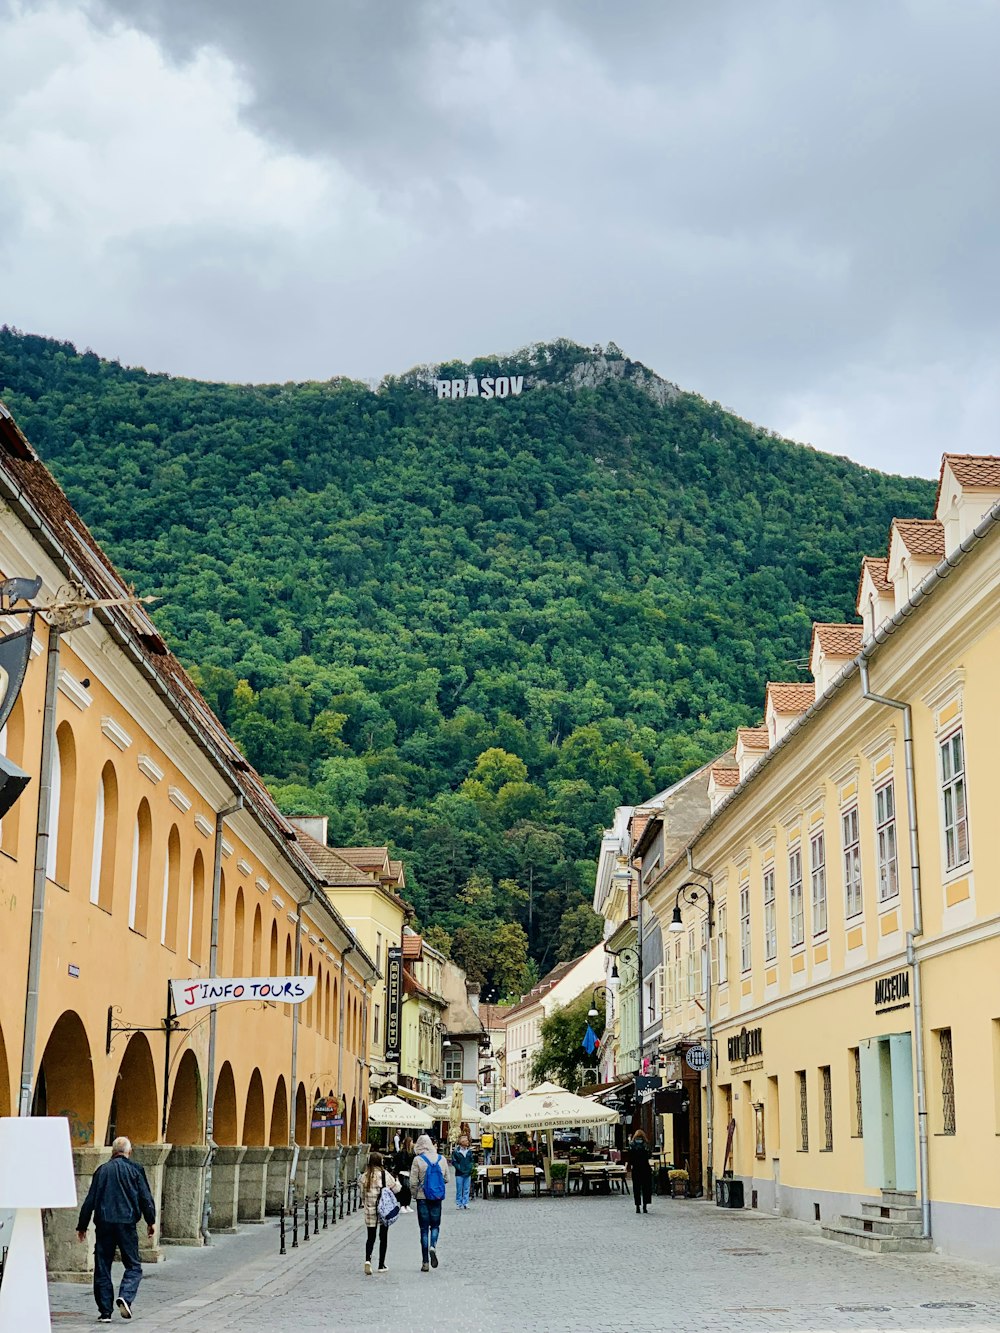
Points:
x=550, y=1266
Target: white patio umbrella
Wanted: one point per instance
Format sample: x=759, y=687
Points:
x=549, y=1107
x=394, y=1113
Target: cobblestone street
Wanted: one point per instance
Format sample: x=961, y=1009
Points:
x=549, y=1266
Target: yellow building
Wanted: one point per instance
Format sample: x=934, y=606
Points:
x=165, y=852
x=421, y=1066
x=852, y=867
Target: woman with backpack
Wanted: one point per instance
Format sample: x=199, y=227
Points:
x=381, y=1208
x=428, y=1180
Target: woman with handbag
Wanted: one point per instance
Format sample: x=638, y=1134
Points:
x=378, y=1189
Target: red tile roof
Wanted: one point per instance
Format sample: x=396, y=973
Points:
x=877, y=568
x=980, y=471
x=790, y=697
x=725, y=777
x=413, y=945
x=753, y=738
x=920, y=536
x=837, y=640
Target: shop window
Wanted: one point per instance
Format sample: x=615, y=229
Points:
x=773, y=1116
x=956, y=824
x=947, y=1081
x=827, y=1083
x=800, y=1079
x=817, y=870
x=853, y=900
x=885, y=831
x=770, y=918
x=745, y=952
x=796, y=906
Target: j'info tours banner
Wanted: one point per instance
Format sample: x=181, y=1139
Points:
x=394, y=1005
x=191, y=995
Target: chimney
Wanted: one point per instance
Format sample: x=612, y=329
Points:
x=314, y=826
x=472, y=989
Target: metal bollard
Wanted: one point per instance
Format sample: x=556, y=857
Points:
x=305, y=1215
x=316, y=1213
x=282, y=1250
x=341, y=1201
x=324, y=1209
x=295, y=1226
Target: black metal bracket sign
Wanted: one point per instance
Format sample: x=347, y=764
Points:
x=169, y=1024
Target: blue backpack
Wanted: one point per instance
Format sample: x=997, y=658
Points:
x=433, y=1179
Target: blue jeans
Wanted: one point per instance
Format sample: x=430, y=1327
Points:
x=111, y=1237
x=463, y=1185
x=429, y=1217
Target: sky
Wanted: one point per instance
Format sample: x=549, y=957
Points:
x=789, y=208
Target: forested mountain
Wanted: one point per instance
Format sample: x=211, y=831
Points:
x=465, y=628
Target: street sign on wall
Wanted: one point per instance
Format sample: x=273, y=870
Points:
x=394, y=1005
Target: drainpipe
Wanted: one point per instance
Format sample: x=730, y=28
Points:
x=340, y=1034
x=43, y=835
x=710, y=1087
x=911, y=935
x=213, y=955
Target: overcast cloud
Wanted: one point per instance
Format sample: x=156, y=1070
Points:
x=788, y=207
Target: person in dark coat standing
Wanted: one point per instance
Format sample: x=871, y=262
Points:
x=641, y=1170
x=403, y=1165
x=119, y=1195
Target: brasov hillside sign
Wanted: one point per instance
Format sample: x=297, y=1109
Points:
x=481, y=386
x=201, y=994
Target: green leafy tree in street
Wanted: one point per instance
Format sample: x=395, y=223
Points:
x=561, y=1058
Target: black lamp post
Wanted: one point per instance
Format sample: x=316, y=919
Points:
x=692, y=892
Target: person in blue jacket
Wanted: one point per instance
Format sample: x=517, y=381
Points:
x=463, y=1163
x=119, y=1195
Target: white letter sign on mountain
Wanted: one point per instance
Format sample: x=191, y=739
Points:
x=484, y=386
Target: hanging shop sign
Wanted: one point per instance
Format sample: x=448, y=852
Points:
x=698, y=1057
x=394, y=1006
x=201, y=994
x=892, y=992
x=481, y=386
x=746, y=1045
x=326, y=1114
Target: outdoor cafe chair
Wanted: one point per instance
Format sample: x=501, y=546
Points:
x=494, y=1182
x=528, y=1175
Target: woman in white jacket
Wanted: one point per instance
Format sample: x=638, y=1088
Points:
x=373, y=1182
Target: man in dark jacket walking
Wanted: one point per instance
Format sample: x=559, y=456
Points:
x=119, y=1195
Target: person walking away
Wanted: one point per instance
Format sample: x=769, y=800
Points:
x=486, y=1143
x=463, y=1163
x=373, y=1182
x=428, y=1180
x=402, y=1165
x=119, y=1195
x=641, y=1171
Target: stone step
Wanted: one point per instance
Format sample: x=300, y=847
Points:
x=881, y=1226
x=866, y=1240
x=900, y=1199
x=892, y=1213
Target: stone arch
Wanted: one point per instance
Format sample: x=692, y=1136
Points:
x=5, y=1105
x=256, y=943
x=135, y=1110
x=221, y=937
x=196, y=914
x=185, y=1123
x=353, y=1136
x=364, y=1122
x=12, y=746
x=63, y=809
x=224, y=1126
x=253, y=1114
x=239, y=933
x=301, y=1117
x=308, y=1015
x=105, y=852
x=142, y=853
x=171, y=889
x=273, y=950
x=315, y=1135
x=65, y=1084
x=278, y=1136
x=337, y=1034
x=288, y=964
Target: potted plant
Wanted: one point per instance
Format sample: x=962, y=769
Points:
x=678, y=1183
x=558, y=1172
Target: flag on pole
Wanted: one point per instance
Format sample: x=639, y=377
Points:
x=591, y=1042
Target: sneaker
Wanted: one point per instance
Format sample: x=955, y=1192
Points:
x=124, y=1309
x=368, y=1268
x=383, y=1269
x=434, y=1258
x=104, y=1319
x=425, y=1268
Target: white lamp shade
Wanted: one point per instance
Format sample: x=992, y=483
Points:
x=36, y=1163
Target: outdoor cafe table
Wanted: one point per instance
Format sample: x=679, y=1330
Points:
x=508, y=1171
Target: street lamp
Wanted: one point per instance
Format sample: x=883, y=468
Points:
x=593, y=1011
x=691, y=892
x=630, y=956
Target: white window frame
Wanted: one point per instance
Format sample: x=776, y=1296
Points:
x=954, y=794
x=678, y=974
x=703, y=957
x=651, y=998
x=796, y=902
x=886, y=843
x=451, y=1059
x=692, y=980
x=817, y=875
x=746, y=949
x=721, y=946
x=850, y=832
x=770, y=916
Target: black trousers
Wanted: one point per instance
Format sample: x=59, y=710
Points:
x=111, y=1237
x=642, y=1189
x=383, y=1241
